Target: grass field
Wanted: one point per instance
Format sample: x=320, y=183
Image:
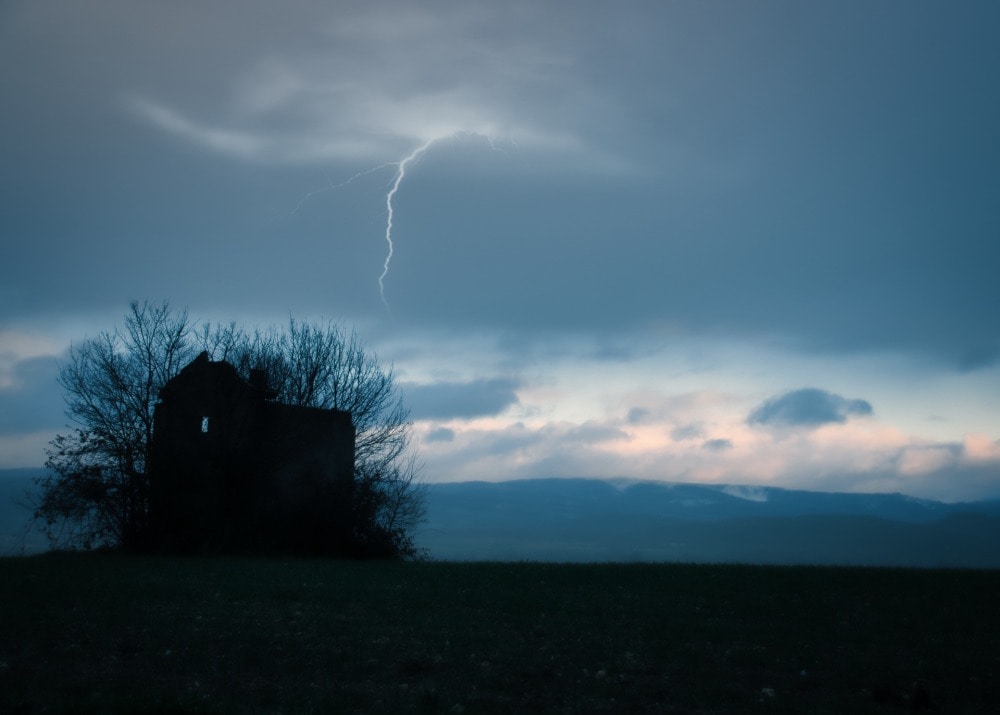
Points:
x=104, y=633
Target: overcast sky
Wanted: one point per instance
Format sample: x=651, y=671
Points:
x=693, y=241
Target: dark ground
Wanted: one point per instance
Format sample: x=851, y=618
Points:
x=104, y=633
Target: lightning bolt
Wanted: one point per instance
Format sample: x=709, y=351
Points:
x=333, y=187
x=397, y=180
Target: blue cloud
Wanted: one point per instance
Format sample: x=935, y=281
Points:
x=34, y=400
x=638, y=416
x=717, y=445
x=440, y=434
x=979, y=356
x=808, y=407
x=592, y=432
x=689, y=431
x=460, y=400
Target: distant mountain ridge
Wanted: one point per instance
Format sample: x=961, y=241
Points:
x=16, y=538
x=554, y=496
x=612, y=520
x=589, y=520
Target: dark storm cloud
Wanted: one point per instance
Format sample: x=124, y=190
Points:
x=464, y=400
x=717, y=445
x=759, y=246
x=809, y=407
x=33, y=400
x=167, y=151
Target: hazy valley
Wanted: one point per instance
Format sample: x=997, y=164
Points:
x=589, y=520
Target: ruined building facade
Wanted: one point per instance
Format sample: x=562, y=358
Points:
x=232, y=469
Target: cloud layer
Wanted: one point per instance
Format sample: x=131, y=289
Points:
x=463, y=400
x=808, y=407
x=643, y=229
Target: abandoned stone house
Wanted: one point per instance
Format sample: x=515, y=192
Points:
x=234, y=469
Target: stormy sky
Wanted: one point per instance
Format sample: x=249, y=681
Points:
x=730, y=242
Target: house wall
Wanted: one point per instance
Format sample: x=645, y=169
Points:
x=232, y=469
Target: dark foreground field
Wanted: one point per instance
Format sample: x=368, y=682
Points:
x=114, y=634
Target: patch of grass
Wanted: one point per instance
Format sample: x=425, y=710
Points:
x=104, y=633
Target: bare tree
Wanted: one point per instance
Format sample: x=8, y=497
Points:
x=325, y=366
x=403, y=500
x=97, y=491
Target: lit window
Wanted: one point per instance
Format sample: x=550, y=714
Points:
x=204, y=424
